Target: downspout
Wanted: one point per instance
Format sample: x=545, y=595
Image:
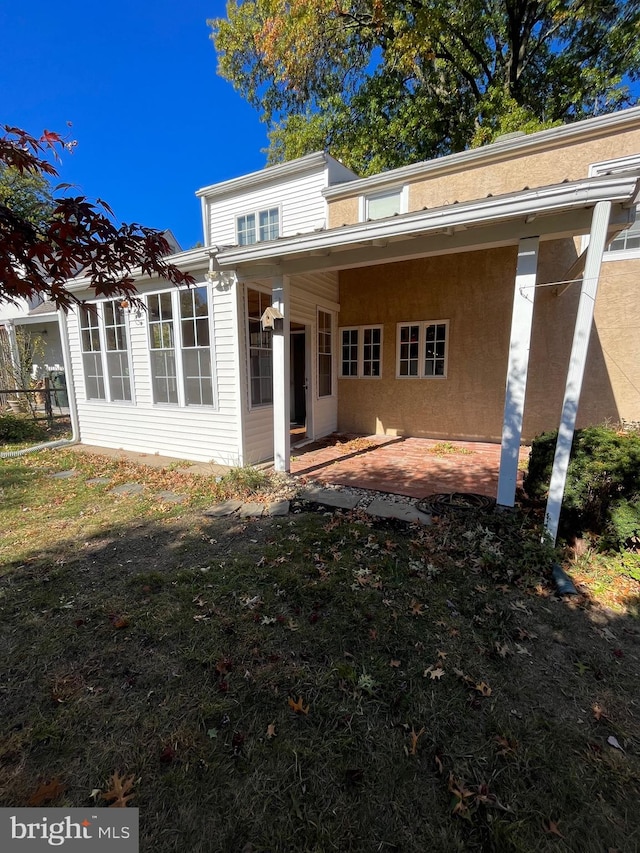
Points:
x=73, y=411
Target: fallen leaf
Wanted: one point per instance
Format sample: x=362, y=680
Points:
x=551, y=828
x=271, y=730
x=502, y=649
x=442, y=655
x=415, y=737
x=47, y=792
x=119, y=791
x=417, y=609
x=438, y=672
x=118, y=622
x=599, y=713
x=298, y=707
x=438, y=763
x=483, y=688
x=394, y=663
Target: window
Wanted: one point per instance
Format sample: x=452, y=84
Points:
x=629, y=238
x=422, y=349
x=105, y=352
x=325, y=356
x=180, y=346
x=115, y=333
x=627, y=241
x=388, y=203
x=361, y=351
x=260, y=350
x=268, y=226
x=91, y=353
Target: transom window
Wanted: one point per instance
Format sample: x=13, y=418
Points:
x=422, y=349
x=260, y=225
x=361, y=353
x=180, y=347
x=260, y=349
x=105, y=352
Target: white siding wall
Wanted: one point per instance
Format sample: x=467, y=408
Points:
x=308, y=293
x=201, y=434
x=300, y=200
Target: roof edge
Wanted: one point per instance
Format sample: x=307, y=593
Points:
x=494, y=152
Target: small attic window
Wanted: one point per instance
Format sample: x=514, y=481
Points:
x=258, y=226
x=388, y=203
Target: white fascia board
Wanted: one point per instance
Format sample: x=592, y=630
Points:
x=545, y=200
x=270, y=174
x=495, y=152
x=186, y=261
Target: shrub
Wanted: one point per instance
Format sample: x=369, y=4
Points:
x=602, y=492
x=15, y=429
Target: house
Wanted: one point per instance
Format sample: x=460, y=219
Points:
x=476, y=296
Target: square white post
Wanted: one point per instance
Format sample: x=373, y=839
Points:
x=281, y=376
x=577, y=361
x=519, y=347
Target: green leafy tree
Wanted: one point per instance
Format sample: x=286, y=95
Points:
x=47, y=240
x=387, y=82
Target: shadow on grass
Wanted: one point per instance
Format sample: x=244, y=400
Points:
x=449, y=700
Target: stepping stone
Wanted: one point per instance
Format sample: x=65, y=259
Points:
x=278, y=508
x=400, y=511
x=65, y=475
x=222, y=509
x=127, y=489
x=171, y=497
x=98, y=481
x=250, y=510
x=329, y=497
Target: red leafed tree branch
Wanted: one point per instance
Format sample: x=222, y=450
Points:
x=79, y=238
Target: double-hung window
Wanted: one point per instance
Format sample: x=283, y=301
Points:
x=180, y=347
x=626, y=244
x=260, y=349
x=361, y=351
x=422, y=349
x=258, y=226
x=105, y=352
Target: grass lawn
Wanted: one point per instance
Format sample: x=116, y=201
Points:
x=318, y=682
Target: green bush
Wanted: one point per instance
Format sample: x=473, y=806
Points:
x=16, y=428
x=602, y=492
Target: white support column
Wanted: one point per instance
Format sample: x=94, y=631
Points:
x=519, y=346
x=575, y=374
x=281, y=376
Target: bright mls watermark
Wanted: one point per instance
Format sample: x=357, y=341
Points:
x=80, y=830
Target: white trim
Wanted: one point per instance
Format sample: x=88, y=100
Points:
x=613, y=167
x=281, y=375
x=332, y=353
x=544, y=140
x=402, y=192
x=103, y=352
x=256, y=214
x=558, y=198
x=265, y=291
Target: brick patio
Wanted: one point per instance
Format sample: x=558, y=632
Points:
x=415, y=467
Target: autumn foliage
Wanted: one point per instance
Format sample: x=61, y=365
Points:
x=79, y=238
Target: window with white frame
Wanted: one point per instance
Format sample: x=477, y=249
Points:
x=386, y=203
x=105, y=352
x=422, y=349
x=260, y=349
x=257, y=226
x=180, y=347
x=361, y=351
x=627, y=242
x=91, y=347
x=325, y=354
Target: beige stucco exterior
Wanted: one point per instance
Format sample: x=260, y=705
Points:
x=474, y=292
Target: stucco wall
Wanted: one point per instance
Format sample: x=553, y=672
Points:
x=474, y=291
x=569, y=161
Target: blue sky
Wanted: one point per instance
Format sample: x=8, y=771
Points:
x=138, y=82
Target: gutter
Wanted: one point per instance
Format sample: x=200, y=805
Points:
x=556, y=198
x=63, y=442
